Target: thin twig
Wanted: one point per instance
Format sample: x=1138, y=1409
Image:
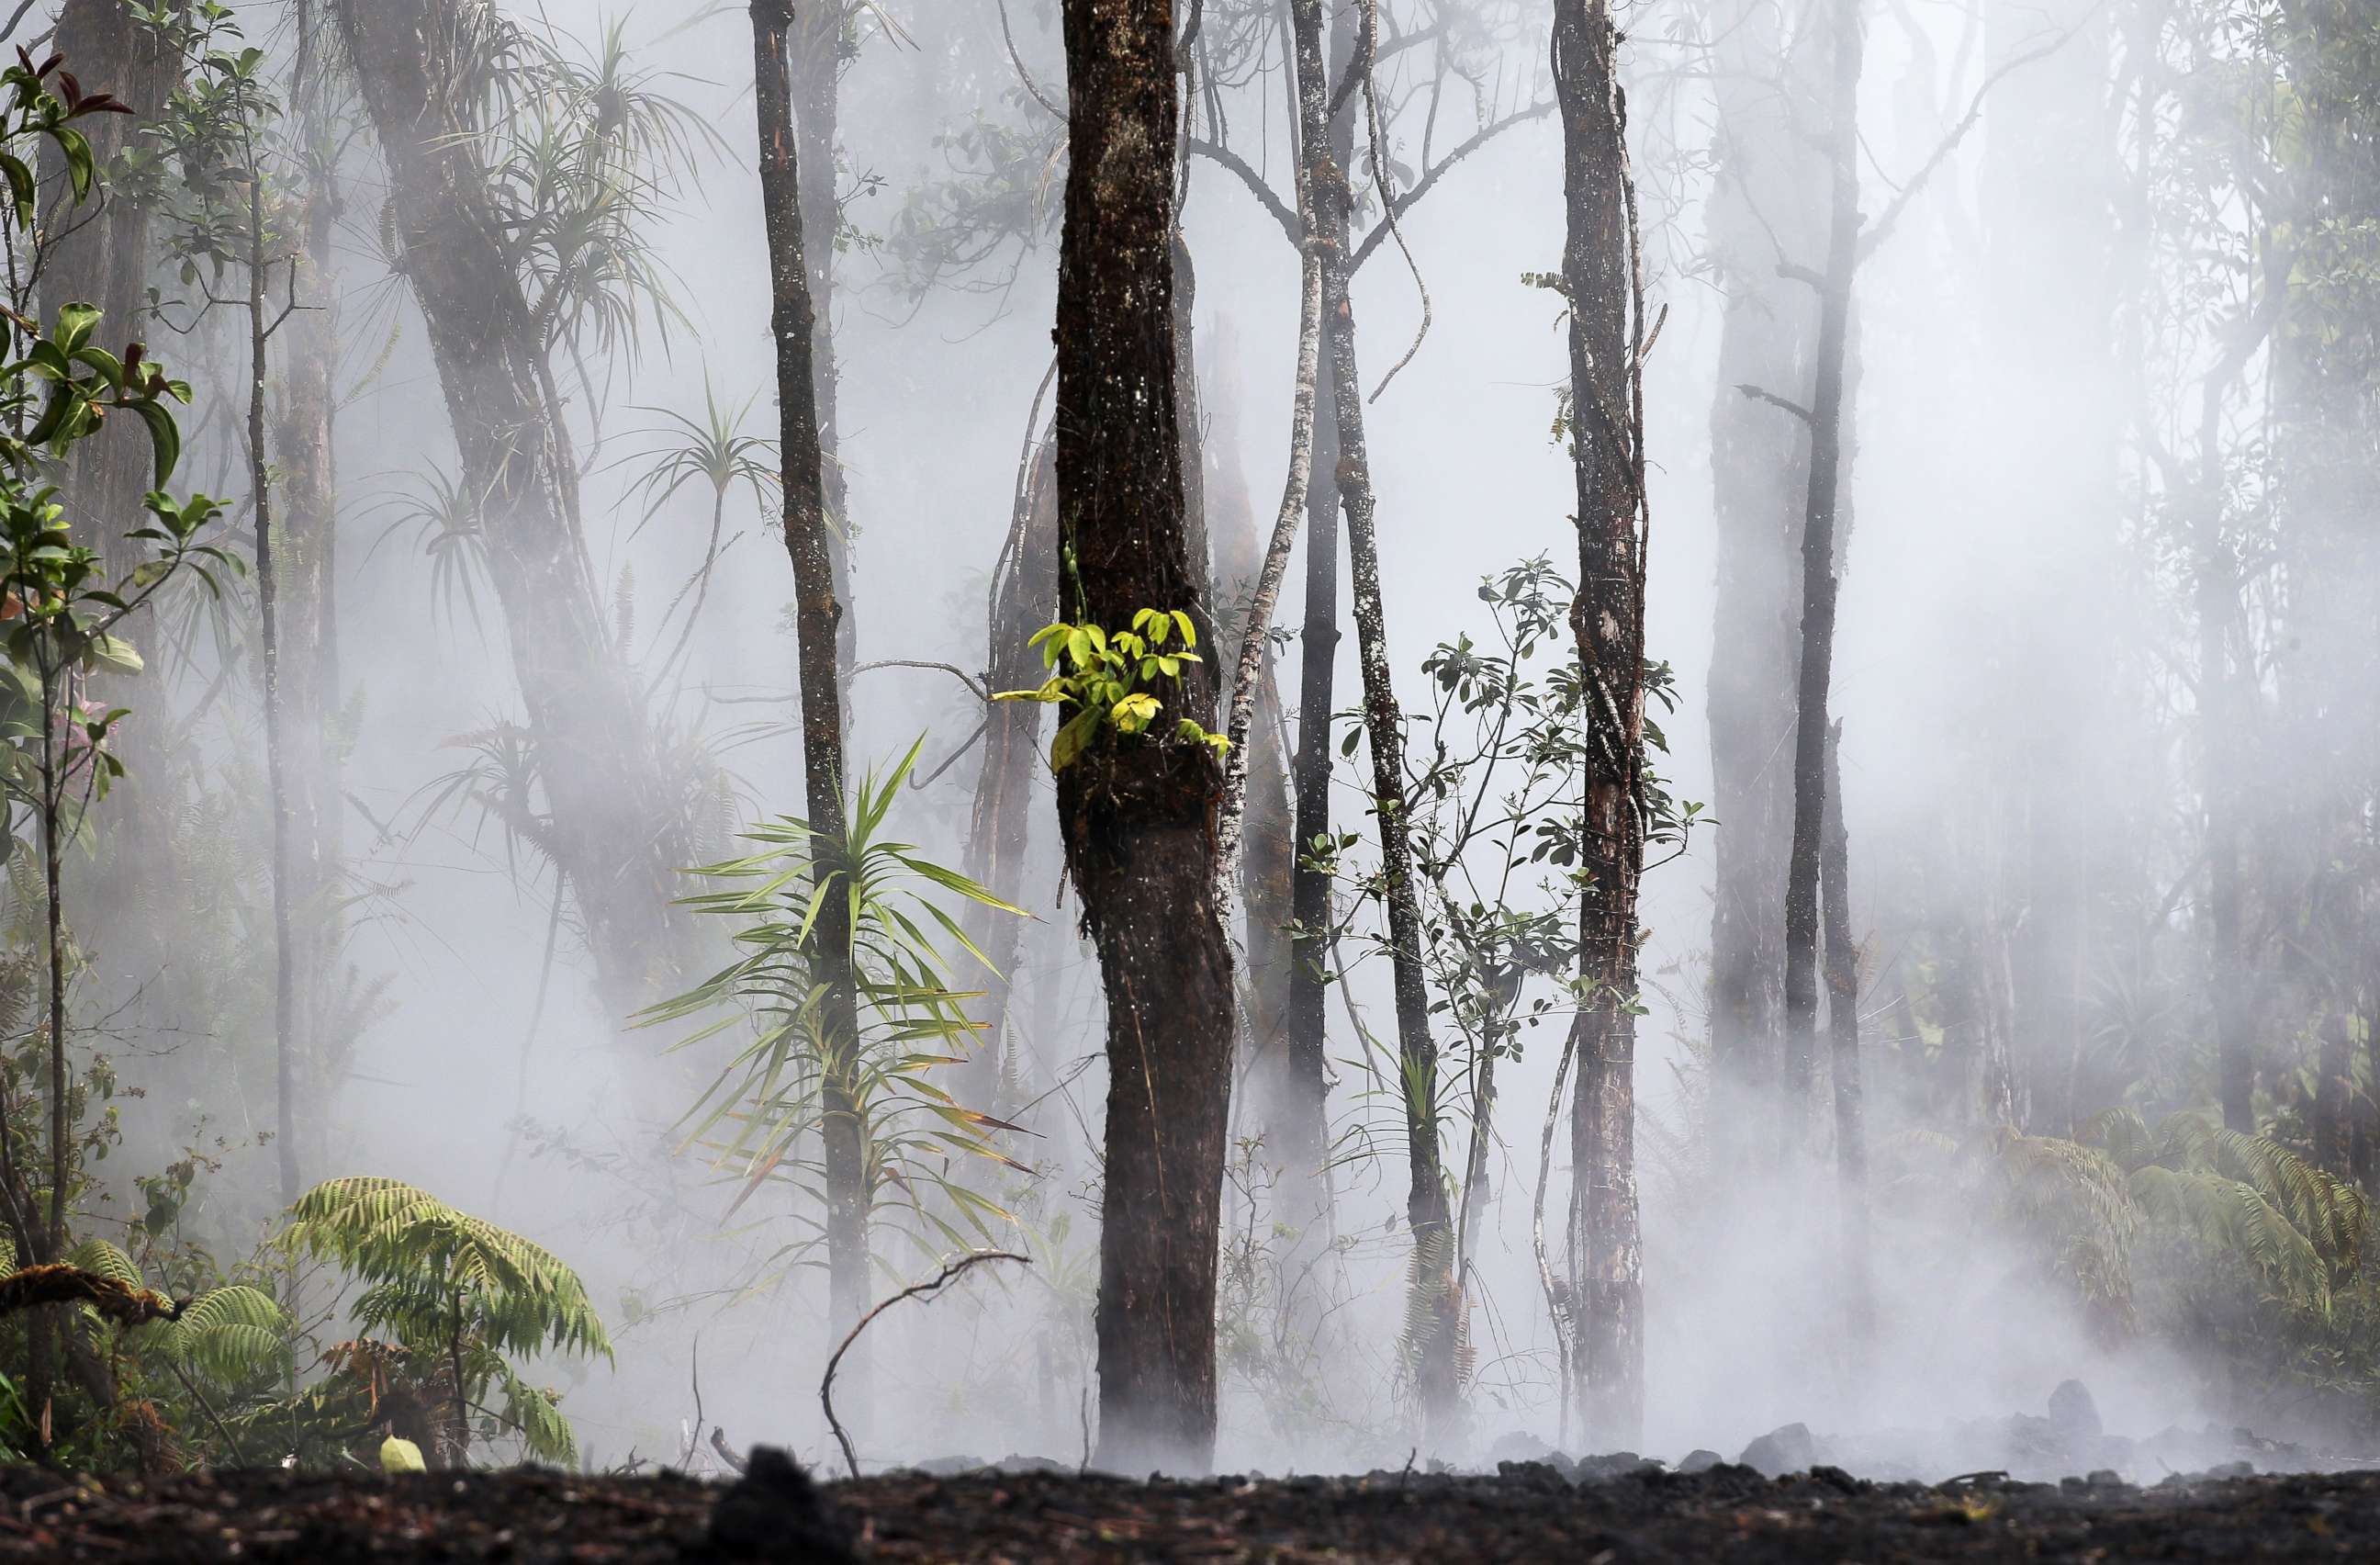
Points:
x=1950, y=143
x=826, y=1385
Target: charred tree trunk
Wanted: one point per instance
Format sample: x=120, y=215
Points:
x=817, y=612
x=815, y=41
x=1137, y=814
x=615, y=831
x=1435, y=1310
x=1825, y=411
x=1600, y=276
x=1843, y=1039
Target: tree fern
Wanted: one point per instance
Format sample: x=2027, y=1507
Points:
x=228, y=1335
x=425, y=1260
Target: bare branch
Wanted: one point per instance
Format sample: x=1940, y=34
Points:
x=1404, y=203
x=1255, y=184
x=1882, y=230
x=825, y=1386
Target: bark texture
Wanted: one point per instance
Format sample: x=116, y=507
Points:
x=1600, y=276
x=816, y=613
x=1305, y=1109
x=1434, y=1309
x=1138, y=816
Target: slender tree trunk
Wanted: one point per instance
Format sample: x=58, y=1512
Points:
x=56, y=696
x=287, y=1044
x=1248, y=573
x=1599, y=275
x=1766, y=198
x=817, y=612
x=1304, y=1123
x=1826, y=466
x=1025, y=598
x=1843, y=1039
x=2221, y=727
x=618, y=832
x=1138, y=814
x=1435, y=1309
x=816, y=64
x=306, y=670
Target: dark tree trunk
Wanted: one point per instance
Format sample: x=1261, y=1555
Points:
x=1138, y=814
x=1825, y=411
x=1025, y=598
x=1303, y=1120
x=815, y=41
x=817, y=612
x=615, y=826
x=1600, y=276
x=1843, y=1038
x=1435, y=1310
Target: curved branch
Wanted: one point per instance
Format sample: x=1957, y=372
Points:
x=825, y=1386
x=1950, y=143
x=952, y=670
x=1052, y=110
x=1232, y=160
x=1404, y=203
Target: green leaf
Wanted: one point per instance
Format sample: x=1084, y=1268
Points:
x=164, y=436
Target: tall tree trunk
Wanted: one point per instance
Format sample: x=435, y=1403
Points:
x=1827, y=465
x=1137, y=814
x=1025, y=598
x=1843, y=1038
x=306, y=670
x=1247, y=584
x=1303, y=1119
x=1599, y=275
x=287, y=1043
x=816, y=43
x=1766, y=198
x=616, y=831
x=103, y=254
x=1434, y=1310
x=816, y=611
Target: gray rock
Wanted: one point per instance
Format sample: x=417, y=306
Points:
x=1791, y=1449
x=950, y=1466
x=1700, y=1461
x=2072, y=1409
x=1518, y=1446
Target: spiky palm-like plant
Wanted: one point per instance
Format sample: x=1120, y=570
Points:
x=764, y=1114
x=714, y=450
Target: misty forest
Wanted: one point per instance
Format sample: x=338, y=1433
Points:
x=1120, y=736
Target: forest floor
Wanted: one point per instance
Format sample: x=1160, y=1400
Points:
x=1529, y=1512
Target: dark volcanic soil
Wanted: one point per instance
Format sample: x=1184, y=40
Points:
x=1528, y=1513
